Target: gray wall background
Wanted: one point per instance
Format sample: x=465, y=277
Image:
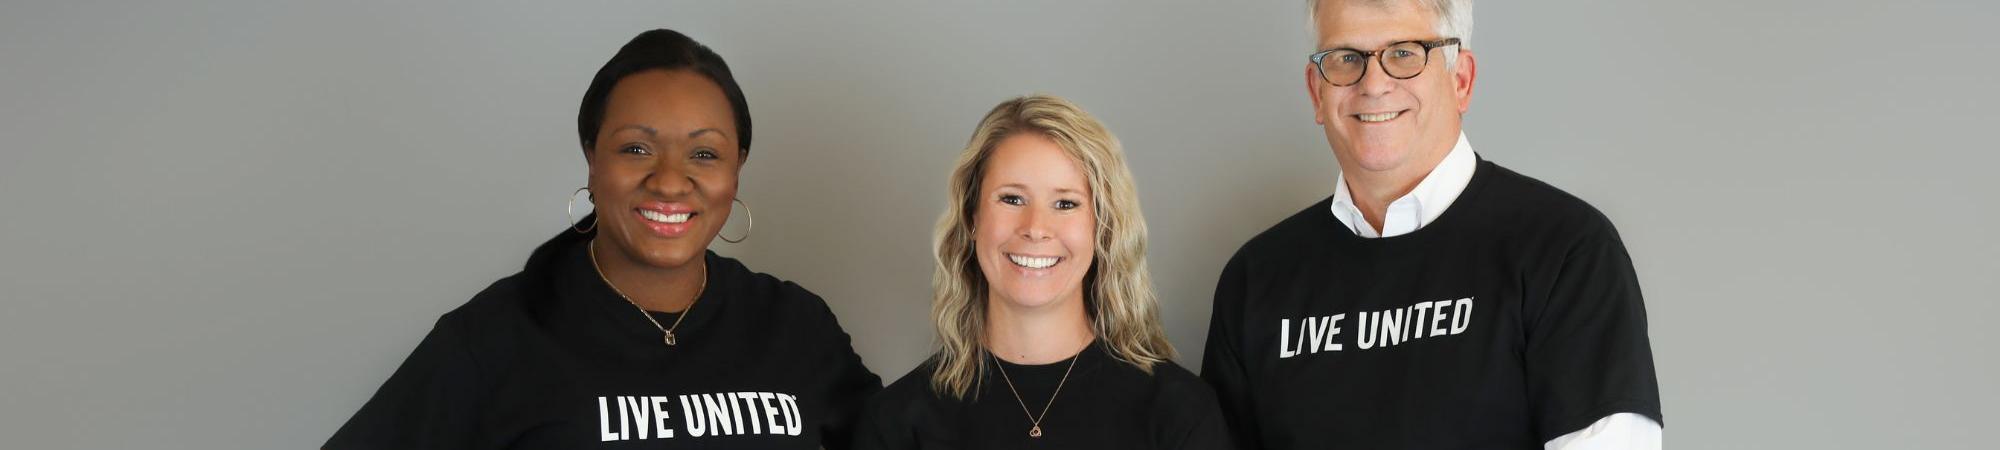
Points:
x=222, y=224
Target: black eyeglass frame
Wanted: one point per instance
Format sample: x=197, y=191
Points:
x=1316, y=59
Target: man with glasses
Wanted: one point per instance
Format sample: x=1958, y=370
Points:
x=1436, y=299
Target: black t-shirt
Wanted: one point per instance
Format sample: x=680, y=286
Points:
x=1104, y=404
x=552, y=358
x=1512, y=319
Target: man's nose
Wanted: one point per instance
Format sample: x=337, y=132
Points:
x=1375, y=80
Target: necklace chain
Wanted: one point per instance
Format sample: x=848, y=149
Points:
x=668, y=331
x=1035, y=430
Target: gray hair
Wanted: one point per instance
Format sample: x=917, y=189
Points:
x=1453, y=19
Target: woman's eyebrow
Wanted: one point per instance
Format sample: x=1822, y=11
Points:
x=699, y=132
x=650, y=132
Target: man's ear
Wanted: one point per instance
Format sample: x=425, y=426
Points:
x=1462, y=78
x=1312, y=90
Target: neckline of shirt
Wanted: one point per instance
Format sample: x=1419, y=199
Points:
x=1430, y=198
x=580, y=287
x=1058, y=365
x=1447, y=219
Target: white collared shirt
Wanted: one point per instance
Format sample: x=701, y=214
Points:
x=1424, y=204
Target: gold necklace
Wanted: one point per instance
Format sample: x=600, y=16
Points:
x=669, y=331
x=1035, y=431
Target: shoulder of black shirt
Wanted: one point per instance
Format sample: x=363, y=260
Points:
x=501, y=310
x=1498, y=199
x=1178, y=398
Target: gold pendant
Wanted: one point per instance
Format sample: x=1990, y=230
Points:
x=670, y=339
x=1035, y=432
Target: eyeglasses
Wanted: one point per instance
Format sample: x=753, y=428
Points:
x=1402, y=60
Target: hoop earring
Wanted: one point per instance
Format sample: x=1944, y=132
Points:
x=749, y=223
x=569, y=211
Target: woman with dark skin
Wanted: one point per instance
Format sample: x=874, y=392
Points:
x=625, y=331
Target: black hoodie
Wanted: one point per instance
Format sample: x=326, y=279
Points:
x=552, y=358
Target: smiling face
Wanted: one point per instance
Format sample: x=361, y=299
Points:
x=664, y=166
x=1382, y=124
x=1034, y=226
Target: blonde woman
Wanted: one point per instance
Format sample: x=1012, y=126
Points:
x=1048, y=329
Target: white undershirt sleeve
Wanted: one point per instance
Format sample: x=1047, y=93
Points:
x=1621, y=431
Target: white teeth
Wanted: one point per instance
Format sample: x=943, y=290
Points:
x=1033, y=262
x=657, y=216
x=1378, y=117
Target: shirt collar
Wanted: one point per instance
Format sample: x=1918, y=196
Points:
x=1422, y=204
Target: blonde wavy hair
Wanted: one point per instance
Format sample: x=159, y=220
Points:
x=1118, y=292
